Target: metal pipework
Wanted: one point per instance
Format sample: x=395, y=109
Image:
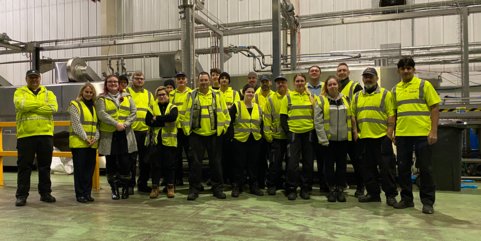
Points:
x=77, y=70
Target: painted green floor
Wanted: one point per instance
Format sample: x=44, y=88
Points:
x=457, y=217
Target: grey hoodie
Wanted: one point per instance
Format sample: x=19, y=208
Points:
x=337, y=120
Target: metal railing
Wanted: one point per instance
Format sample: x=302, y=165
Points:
x=95, y=178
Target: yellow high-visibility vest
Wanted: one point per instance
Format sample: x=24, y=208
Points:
x=324, y=104
x=89, y=123
x=119, y=114
x=143, y=100
x=246, y=123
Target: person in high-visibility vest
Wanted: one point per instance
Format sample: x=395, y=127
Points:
x=205, y=121
x=178, y=97
x=372, y=127
x=260, y=98
x=416, y=104
x=83, y=141
x=348, y=89
x=117, y=112
x=35, y=106
x=275, y=136
x=162, y=134
x=332, y=119
x=297, y=121
x=144, y=100
x=230, y=97
x=246, y=131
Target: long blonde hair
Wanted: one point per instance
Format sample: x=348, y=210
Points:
x=80, y=94
x=324, y=90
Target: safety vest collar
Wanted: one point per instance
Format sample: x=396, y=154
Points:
x=228, y=90
x=27, y=90
x=377, y=91
x=135, y=90
x=206, y=94
x=340, y=96
x=177, y=91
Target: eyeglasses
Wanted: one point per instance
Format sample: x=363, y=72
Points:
x=162, y=95
x=112, y=82
x=138, y=78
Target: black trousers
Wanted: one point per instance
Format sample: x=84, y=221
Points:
x=379, y=151
x=263, y=157
x=118, y=166
x=227, y=159
x=336, y=154
x=319, y=154
x=27, y=147
x=245, y=159
x=423, y=154
x=198, y=146
x=144, y=165
x=182, y=144
x=277, y=153
x=84, y=166
x=297, y=144
x=163, y=164
x=353, y=152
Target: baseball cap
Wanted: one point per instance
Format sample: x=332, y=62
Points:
x=280, y=77
x=370, y=71
x=33, y=72
x=265, y=77
x=180, y=73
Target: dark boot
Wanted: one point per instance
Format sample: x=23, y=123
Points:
x=291, y=193
x=332, y=197
x=125, y=188
x=271, y=190
x=340, y=195
x=359, y=191
x=305, y=193
x=115, y=189
x=254, y=188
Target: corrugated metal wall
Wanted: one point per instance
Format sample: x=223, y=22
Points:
x=29, y=20
x=37, y=20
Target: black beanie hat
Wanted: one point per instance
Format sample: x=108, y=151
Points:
x=125, y=78
x=224, y=74
x=170, y=82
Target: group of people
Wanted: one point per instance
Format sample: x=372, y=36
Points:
x=247, y=135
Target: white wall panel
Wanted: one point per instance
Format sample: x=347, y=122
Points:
x=36, y=20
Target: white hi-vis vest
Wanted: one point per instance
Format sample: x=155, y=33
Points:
x=246, y=123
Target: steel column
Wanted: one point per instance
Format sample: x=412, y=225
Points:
x=221, y=53
x=35, y=59
x=293, y=50
x=276, y=38
x=465, y=54
x=188, y=56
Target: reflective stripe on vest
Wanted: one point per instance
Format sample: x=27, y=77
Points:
x=89, y=124
x=373, y=108
x=119, y=114
x=303, y=107
x=419, y=101
x=246, y=123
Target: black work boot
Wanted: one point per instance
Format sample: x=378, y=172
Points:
x=428, y=209
x=332, y=195
x=193, y=194
x=235, y=190
x=125, y=188
x=340, y=195
x=359, y=191
x=369, y=199
x=254, y=188
x=271, y=190
x=291, y=193
x=115, y=189
x=403, y=204
x=219, y=194
x=390, y=201
x=305, y=193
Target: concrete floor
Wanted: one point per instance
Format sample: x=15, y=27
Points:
x=457, y=217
